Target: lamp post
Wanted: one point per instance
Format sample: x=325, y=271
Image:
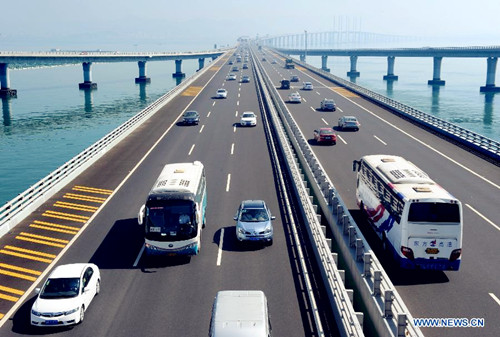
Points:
x=305, y=47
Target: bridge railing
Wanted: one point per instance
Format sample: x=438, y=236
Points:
x=28, y=201
x=384, y=306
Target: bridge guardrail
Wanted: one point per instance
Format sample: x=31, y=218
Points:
x=26, y=202
x=471, y=139
x=340, y=300
x=384, y=306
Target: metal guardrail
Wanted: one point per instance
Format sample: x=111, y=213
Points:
x=25, y=203
x=471, y=139
x=384, y=307
x=340, y=299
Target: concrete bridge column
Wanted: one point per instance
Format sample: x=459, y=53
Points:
x=201, y=63
x=5, y=91
x=303, y=57
x=353, y=72
x=142, y=73
x=87, y=77
x=490, y=76
x=390, y=69
x=178, y=69
x=436, y=77
x=324, y=60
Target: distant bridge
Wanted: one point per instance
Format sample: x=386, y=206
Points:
x=13, y=60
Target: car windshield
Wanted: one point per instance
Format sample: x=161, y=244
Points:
x=61, y=288
x=170, y=220
x=191, y=114
x=327, y=132
x=248, y=115
x=253, y=215
x=350, y=119
x=221, y=91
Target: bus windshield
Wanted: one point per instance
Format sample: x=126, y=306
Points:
x=170, y=220
x=434, y=212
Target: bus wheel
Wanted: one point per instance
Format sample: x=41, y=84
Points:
x=384, y=242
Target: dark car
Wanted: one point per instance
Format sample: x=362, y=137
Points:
x=325, y=135
x=191, y=117
x=294, y=78
x=285, y=84
x=348, y=123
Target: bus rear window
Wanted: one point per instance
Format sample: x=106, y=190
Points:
x=434, y=212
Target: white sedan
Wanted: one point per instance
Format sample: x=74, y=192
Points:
x=248, y=118
x=221, y=93
x=66, y=295
x=294, y=97
x=307, y=86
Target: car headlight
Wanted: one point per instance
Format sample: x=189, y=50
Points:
x=69, y=312
x=268, y=229
x=36, y=313
x=241, y=230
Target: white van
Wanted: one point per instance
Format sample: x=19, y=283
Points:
x=240, y=313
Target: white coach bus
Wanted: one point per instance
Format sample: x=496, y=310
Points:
x=417, y=220
x=174, y=213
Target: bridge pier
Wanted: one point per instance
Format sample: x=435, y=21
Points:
x=201, y=63
x=178, y=69
x=324, y=60
x=490, y=76
x=390, y=69
x=436, y=77
x=5, y=91
x=87, y=77
x=303, y=58
x=142, y=73
x=353, y=72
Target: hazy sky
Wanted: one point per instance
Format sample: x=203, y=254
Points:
x=167, y=24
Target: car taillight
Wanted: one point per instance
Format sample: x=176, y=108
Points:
x=408, y=252
x=455, y=254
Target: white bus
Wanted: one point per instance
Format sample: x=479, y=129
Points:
x=417, y=220
x=174, y=213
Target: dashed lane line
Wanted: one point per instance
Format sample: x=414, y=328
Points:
x=380, y=140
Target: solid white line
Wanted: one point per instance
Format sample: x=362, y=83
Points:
x=190, y=151
x=228, y=182
x=232, y=148
x=201, y=130
x=495, y=298
x=342, y=139
x=482, y=216
x=380, y=140
x=139, y=256
x=313, y=109
x=208, y=115
x=219, y=254
x=324, y=121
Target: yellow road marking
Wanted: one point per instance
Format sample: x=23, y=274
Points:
x=92, y=190
x=22, y=276
x=300, y=68
x=78, y=207
x=12, y=290
x=71, y=228
x=214, y=68
x=9, y=298
x=344, y=92
x=1, y=315
x=84, y=197
x=53, y=229
x=66, y=216
x=25, y=270
x=40, y=242
x=191, y=91
x=29, y=251
x=29, y=257
x=43, y=237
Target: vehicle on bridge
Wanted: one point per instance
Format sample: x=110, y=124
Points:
x=294, y=78
x=419, y=222
x=248, y=118
x=221, y=93
x=325, y=135
x=245, y=79
x=307, y=86
x=348, y=123
x=285, y=84
x=289, y=64
x=254, y=222
x=191, y=117
x=327, y=104
x=174, y=213
x=294, y=97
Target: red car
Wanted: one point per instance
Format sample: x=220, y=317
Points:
x=325, y=135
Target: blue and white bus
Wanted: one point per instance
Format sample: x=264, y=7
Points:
x=417, y=220
x=174, y=213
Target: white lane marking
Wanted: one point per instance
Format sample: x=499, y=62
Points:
x=190, y=151
x=232, y=148
x=380, y=140
x=213, y=103
x=234, y=128
x=421, y=142
x=201, y=130
x=339, y=109
x=139, y=256
x=318, y=93
x=342, y=139
x=208, y=115
x=482, y=216
x=239, y=95
x=313, y=109
x=236, y=114
x=495, y=298
x=228, y=182
x=238, y=103
x=219, y=254
x=304, y=99
x=239, y=89
x=324, y=121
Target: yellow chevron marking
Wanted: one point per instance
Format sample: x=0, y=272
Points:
x=66, y=216
x=25, y=256
x=12, y=290
x=84, y=197
x=1, y=315
x=191, y=91
x=29, y=251
x=78, y=207
x=9, y=298
x=56, y=225
x=43, y=237
x=40, y=242
x=300, y=68
x=24, y=270
x=53, y=229
x=18, y=275
x=69, y=215
x=344, y=92
x=92, y=190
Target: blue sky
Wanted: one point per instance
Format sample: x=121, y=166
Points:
x=166, y=24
